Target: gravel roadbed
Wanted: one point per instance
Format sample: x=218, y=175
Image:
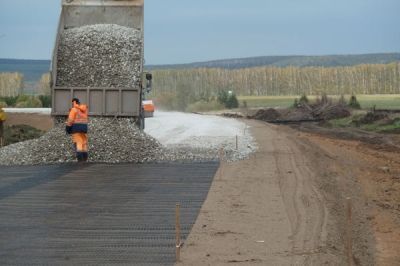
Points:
x=119, y=140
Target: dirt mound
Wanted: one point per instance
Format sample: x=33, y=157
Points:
x=232, y=115
x=269, y=114
x=42, y=122
x=304, y=112
x=298, y=114
x=372, y=117
x=18, y=133
x=331, y=111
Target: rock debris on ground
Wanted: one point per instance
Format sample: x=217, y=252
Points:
x=213, y=148
x=110, y=141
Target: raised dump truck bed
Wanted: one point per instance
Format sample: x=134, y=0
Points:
x=118, y=101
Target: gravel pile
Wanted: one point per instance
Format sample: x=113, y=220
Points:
x=103, y=55
x=110, y=140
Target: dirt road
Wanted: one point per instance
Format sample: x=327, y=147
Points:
x=282, y=206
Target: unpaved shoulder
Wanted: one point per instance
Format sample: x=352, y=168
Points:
x=273, y=208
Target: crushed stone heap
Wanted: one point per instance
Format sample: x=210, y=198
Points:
x=111, y=140
x=102, y=55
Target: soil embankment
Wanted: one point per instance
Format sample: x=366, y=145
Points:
x=42, y=122
x=372, y=162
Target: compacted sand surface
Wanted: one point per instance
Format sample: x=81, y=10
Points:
x=282, y=206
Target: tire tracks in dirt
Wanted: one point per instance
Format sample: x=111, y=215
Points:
x=271, y=197
x=304, y=204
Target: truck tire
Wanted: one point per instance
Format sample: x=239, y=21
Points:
x=140, y=121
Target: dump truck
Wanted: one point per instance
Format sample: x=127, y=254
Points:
x=109, y=101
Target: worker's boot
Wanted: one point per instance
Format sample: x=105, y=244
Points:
x=85, y=156
x=80, y=157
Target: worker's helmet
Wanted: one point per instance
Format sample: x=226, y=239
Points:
x=76, y=100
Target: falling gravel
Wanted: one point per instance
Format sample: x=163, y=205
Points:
x=102, y=55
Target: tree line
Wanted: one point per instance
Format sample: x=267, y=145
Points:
x=191, y=85
x=11, y=84
x=12, y=93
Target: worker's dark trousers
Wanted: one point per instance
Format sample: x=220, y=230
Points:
x=1, y=134
x=80, y=141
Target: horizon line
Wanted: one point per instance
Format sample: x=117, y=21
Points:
x=233, y=58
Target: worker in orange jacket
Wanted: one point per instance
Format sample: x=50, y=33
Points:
x=77, y=126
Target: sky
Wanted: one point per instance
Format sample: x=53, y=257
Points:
x=184, y=31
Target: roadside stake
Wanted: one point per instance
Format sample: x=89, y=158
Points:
x=349, y=232
x=237, y=142
x=178, y=232
x=221, y=161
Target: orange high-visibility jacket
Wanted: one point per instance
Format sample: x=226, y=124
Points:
x=78, y=118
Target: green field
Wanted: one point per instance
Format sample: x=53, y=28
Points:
x=381, y=101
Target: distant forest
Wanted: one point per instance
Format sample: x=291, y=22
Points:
x=182, y=85
x=32, y=70
x=11, y=84
x=181, y=88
